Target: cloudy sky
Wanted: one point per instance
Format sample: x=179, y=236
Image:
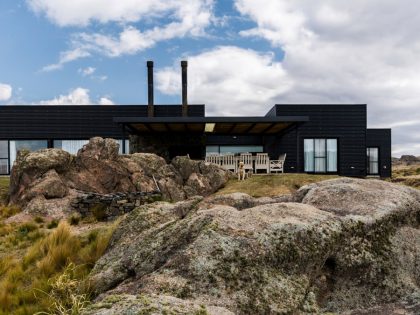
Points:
x=244, y=55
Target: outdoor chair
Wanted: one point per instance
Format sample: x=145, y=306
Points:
x=229, y=162
x=262, y=162
x=214, y=158
x=278, y=165
x=246, y=158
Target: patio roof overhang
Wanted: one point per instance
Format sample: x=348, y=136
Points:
x=209, y=125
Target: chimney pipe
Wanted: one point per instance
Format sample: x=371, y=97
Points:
x=150, y=96
x=184, y=66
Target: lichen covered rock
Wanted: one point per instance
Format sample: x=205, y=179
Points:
x=260, y=256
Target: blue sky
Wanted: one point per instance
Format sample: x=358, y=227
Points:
x=244, y=55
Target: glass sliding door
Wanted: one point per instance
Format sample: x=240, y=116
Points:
x=4, y=157
x=309, y=155
x=332, y=155
x=320, y=155
x=373, y=161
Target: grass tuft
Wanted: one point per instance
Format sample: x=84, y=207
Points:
x=51, y=277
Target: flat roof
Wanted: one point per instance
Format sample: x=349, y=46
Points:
x=211, y=125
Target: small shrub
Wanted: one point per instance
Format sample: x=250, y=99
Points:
x=52, y=224
x=25, y=228
x=8, y=211
x=39, y=220
x=99, y=211
x=74, y=219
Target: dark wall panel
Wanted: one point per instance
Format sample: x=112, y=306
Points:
x=347, y=123
x=381, y=138
x=75, y=122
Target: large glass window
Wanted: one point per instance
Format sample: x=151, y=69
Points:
x=320, y=155
x=223, y=149
x=4, y=157
x=373, y=161
x=73, y=146
x=31, y=145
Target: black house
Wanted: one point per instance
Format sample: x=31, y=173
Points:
x=316, y=138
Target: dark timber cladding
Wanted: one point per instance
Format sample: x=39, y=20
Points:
x=346, y=123
x=381, y=138
x=76, y=122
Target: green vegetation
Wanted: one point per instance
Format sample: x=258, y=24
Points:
x=45, y=271
x=272, y=185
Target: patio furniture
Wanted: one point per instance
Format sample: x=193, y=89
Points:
x=214, y=158
x=229, y=162
x=278, y=165
x=246, y=158
x=262, y=162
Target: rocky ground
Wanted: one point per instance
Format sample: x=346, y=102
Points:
x=45, y=182
x=347, y=246
x=340, y=246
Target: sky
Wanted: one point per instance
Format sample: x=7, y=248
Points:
x=244, y=55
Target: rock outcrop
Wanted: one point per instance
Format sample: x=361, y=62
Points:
x=342, y=245
x=46, y=181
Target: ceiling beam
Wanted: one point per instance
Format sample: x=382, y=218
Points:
x=266, y=130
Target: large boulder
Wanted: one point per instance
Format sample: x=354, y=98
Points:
x=39, y=179
x=261, y=256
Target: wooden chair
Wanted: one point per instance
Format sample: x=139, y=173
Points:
x=214, y=158
x=262, y=162
x=278, y=165
x=229, y=162
x=246, y=158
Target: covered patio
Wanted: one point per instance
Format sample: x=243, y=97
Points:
x=207, y=137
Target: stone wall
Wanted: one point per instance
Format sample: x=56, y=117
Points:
x=110, y=206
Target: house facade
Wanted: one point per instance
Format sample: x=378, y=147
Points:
x=324, y=139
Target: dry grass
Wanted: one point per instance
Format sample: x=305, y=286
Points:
x=4, y=189
x=406, y=175
x=272, y=185
x=41, y=280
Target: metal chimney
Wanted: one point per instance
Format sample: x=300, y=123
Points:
x=150, y=96
x=184, y=66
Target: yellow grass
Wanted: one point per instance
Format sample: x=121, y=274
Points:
x=36, y=282
x=272, y=185
x=4, y=189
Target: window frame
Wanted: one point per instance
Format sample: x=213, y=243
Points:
x=323, y=157
x=368, y=161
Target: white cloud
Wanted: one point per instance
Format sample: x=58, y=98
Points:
x=105, y=101
x=87, y=71
x=5, y=92
x=78, y=96
x=230, y=80
x=354, y=51
x=183, y=19
x=67, y=56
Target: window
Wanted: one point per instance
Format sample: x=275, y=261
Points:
x=223, y=149
x=31, y=145
x=4, y=157
x=73, y=146
x=373, y=161
x=320, y=155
